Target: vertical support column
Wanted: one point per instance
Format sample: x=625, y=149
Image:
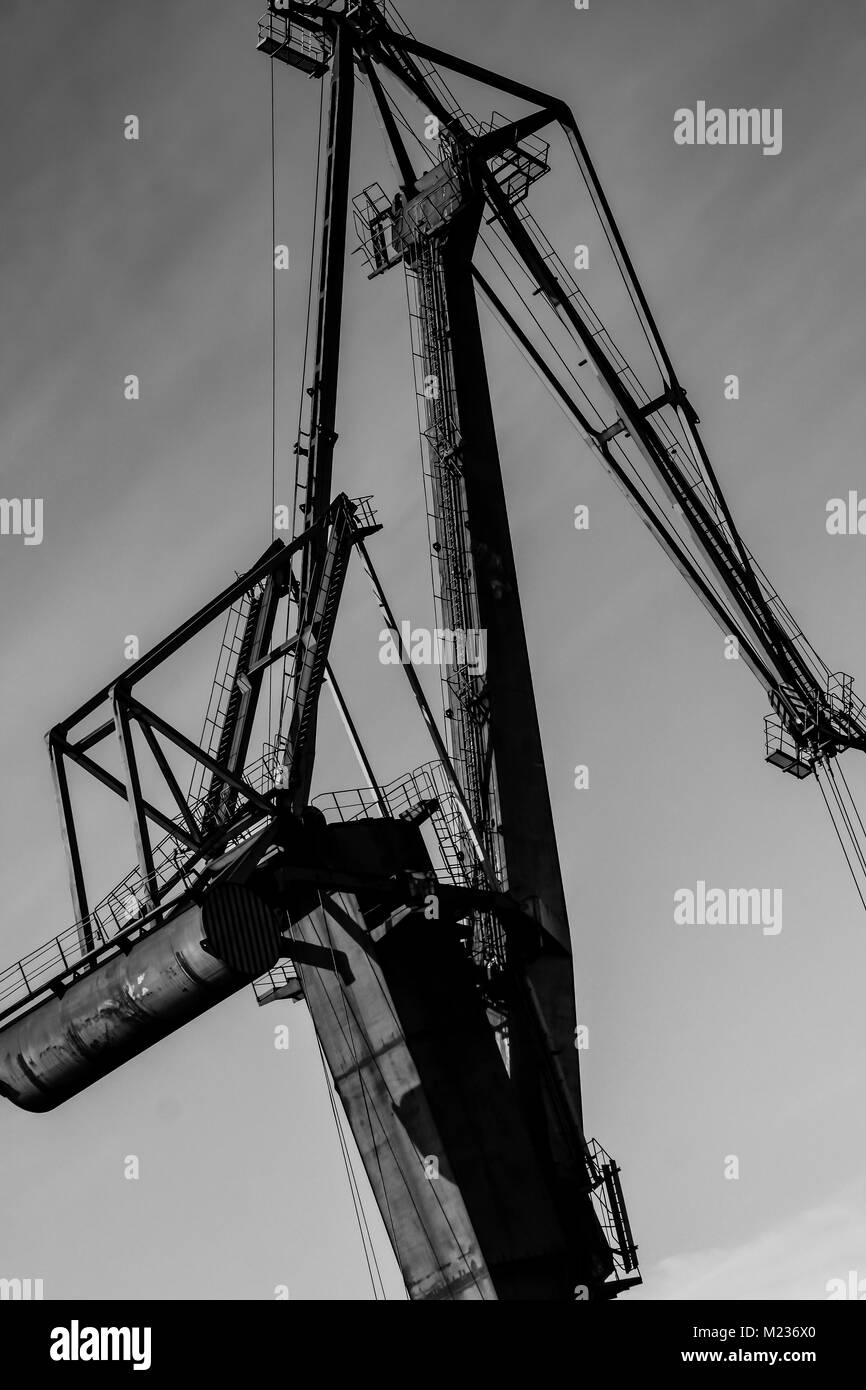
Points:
x=71, y=848
x=323, y=435
x=527, y=821
x=528, y=833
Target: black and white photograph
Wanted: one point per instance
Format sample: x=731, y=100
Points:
x=433, y=717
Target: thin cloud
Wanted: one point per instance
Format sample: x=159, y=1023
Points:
x=793, y=1260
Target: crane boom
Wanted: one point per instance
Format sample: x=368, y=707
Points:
x=816, y=706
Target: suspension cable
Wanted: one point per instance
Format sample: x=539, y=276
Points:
x=839, y=838
x=851, y=799
x=360, y=1214
x=846, y=818
x=273, y=361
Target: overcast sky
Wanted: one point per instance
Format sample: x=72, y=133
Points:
x=153, y=257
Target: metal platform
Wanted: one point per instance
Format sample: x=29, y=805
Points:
x=119, y=920
x=115, y=923
x=782, y=750
x=288, y=42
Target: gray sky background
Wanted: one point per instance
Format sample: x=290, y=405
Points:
x=154, y=258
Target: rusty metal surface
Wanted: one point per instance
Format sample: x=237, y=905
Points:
x=112, y=1014
x=389, y=1113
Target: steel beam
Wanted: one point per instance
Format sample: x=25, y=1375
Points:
x=69, y=836
x=140, y=831
x=147, y=716
x=329, y=311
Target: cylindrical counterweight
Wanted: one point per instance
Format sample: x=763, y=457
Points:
x=118, y=1010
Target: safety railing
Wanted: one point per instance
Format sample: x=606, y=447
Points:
x=124, y=906
x=127, y=906
x=610, y=1208
x=281, y=38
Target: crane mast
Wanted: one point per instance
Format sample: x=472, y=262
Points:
x=491, y=720
x=508, y=844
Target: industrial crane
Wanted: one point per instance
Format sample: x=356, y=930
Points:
x=424, y=922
